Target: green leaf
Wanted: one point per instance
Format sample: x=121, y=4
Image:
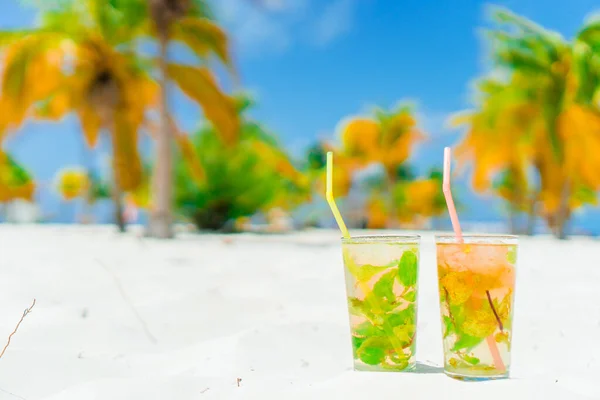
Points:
x=406, y=316
x=458, y=312
x=366, y=330
x=359, y=308
x=511, y=257
x=404, y=334
x=378, y=305
x=466, y=342
x=356, y=343
x=384, y=287
x=363, y=272
x=410, y=296
x=471, y=360
x=407, y=268
x=372, y=350
x=448, y=326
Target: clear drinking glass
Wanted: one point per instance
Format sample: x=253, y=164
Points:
x=381, y=285
x=476, y=281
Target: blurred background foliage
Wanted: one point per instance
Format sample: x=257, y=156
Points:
x=236, y=181
x=531, y=138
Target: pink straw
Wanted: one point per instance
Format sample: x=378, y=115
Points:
x=448, y=196
x=459, y=238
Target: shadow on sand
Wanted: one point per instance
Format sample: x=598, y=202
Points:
x=423, y=368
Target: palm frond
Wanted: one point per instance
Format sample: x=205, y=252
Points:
x=527, y=44
x=199, y=84
x=518, y=60
x=90, y=124
x=32, y=72
x=590, y=33
x=10, y=37
x=203, y=37
x=587, y=68
x=504, y=16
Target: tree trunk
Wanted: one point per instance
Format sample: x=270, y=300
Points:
x=117, y=196
x=160, y=223
x=116, y=192
x=563, y=212
x=87, y=212
x=513, y=207
x=512, y=219
x=393, y=223
x=531, y=215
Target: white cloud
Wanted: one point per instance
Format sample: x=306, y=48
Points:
x=336, y=20
x=252, y=25
x=266, y=26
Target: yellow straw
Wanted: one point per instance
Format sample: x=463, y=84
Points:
x=330, y=200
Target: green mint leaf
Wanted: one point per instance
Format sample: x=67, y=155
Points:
x=356, y=343
x=466, y=342
x=383, y=288
x=511, y=256
x=372, y=350
x=406, y=316
x=448, y=326
x=366, y=330
x=361, y=273
x=407, y=268
x=471, y=360
x=410, y=296
x=458, y=312
x=358, y=307
x=404, y=334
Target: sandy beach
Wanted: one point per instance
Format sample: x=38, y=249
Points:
x=255, y=316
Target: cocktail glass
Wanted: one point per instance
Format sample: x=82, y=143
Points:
x=476, y=281
x=381, y=285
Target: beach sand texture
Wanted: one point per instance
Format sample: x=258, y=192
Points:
x=259, y=317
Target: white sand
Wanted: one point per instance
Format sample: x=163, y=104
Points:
x=119, y=317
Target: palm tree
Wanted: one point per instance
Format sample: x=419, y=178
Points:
x=187, y=22
x=558, y=81
x=217, y=184
x=387, y=139
x=499, y=140
x=81, y=59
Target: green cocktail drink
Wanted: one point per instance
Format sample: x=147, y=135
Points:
x=381, y=285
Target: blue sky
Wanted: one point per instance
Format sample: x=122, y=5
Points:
x=312, y=63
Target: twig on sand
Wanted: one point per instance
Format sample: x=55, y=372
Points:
x=487, y=292
x=128, y=301
x=12, y=394
x=27, y=311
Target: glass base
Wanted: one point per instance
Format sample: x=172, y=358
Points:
x=476, y=377
x=358, y=366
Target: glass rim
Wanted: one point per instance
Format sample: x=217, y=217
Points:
x=399, y=239
x=477, y=238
